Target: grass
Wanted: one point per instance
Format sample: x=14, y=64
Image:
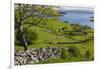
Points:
x=44, y=35
x=59, y=60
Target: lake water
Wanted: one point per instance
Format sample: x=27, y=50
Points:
x=77, y=17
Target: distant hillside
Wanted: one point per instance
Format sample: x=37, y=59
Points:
x=75, y=9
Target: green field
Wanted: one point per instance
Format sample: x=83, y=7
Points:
x=40, y=27
x=45, y=35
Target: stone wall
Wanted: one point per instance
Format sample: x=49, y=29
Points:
x=36, y=55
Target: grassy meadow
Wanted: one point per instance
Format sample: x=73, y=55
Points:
x=51, y=32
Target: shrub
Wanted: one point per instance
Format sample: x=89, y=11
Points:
x=64, y=53
x=30, y=36
x=66, y=21
x=73, y=51
x=87, y=54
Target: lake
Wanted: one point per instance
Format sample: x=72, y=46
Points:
x=78, y=17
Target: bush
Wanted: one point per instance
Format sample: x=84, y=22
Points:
x=64, y=53
x=73, y=51
x=87, y=54
x=30, y=36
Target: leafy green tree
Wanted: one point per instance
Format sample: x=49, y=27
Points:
x=27, y=16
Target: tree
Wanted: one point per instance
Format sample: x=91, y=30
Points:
x=27, y=16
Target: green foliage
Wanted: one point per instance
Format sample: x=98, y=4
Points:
x=66, y=21
x=30, y=36
x=64, y=53
x=26, y=16
x=46, y=27
x=73, y=51
x=17, y=38
x=88, y=54
x=60, y=60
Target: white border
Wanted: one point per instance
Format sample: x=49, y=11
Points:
x=75, y=65
x=84, y=3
